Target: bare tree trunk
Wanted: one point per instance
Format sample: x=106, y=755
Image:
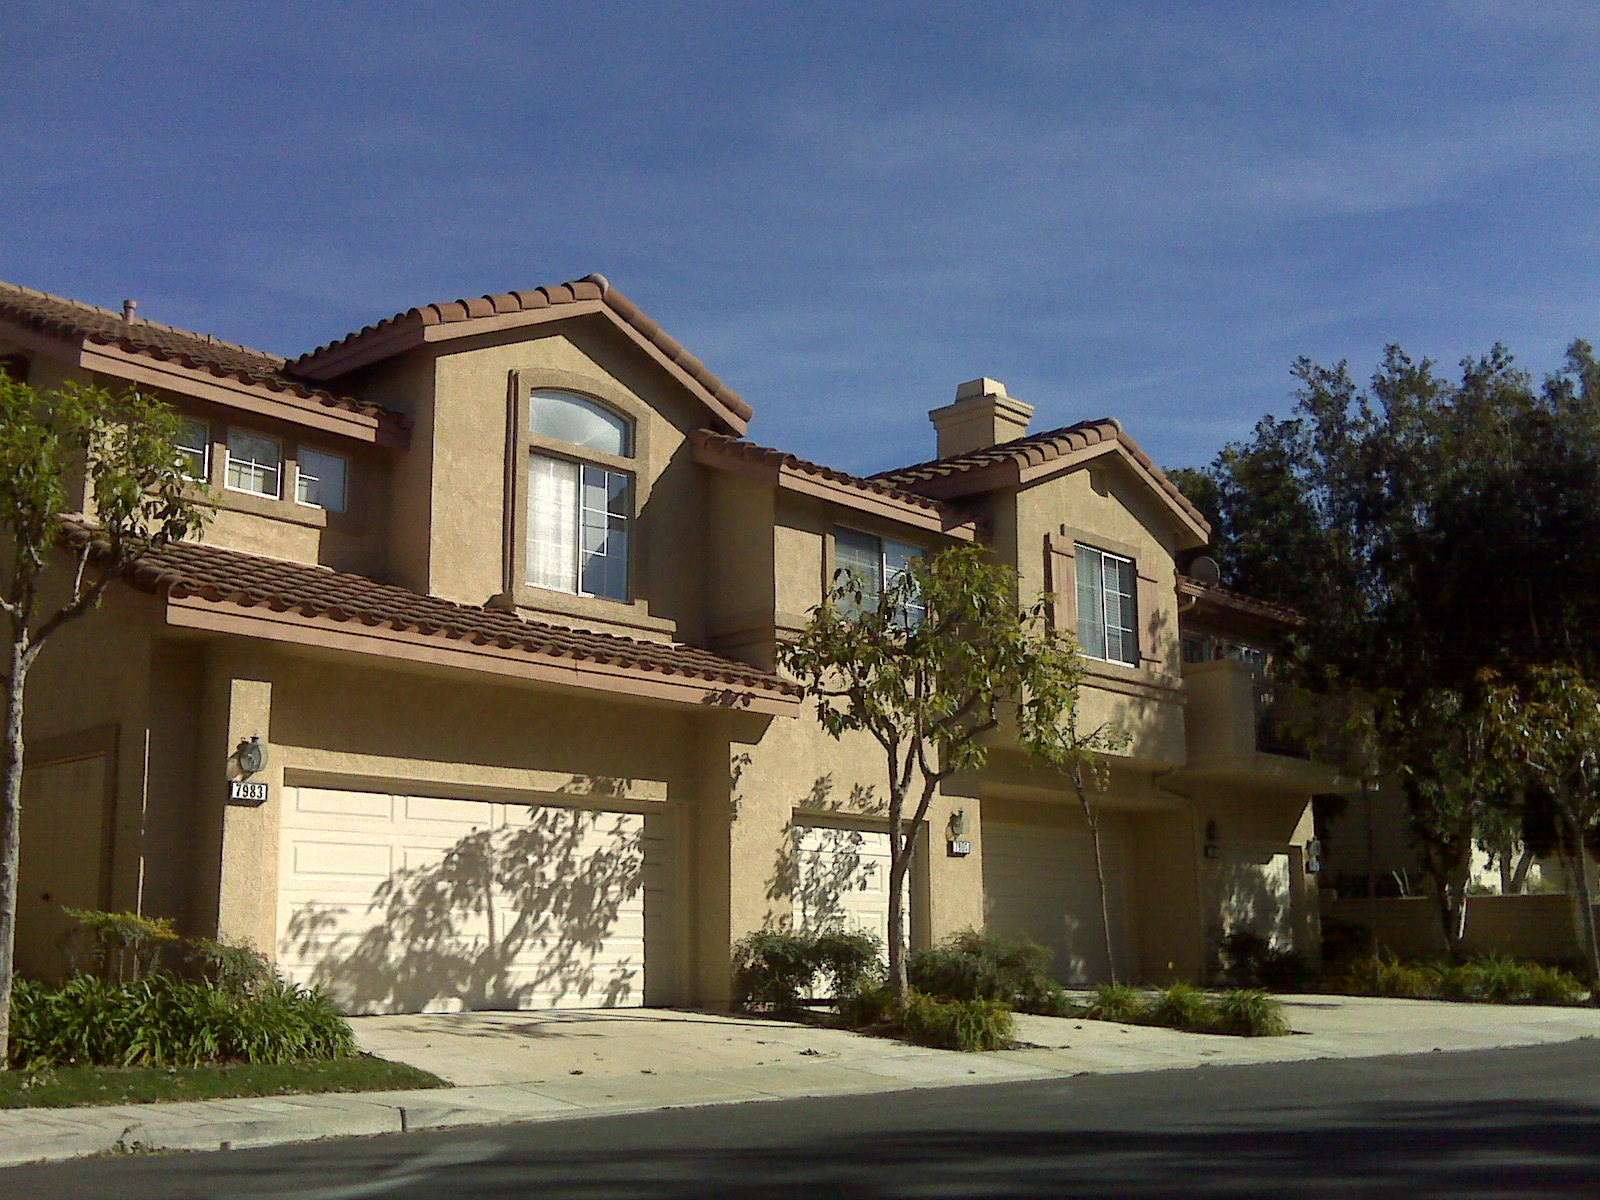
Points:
x=10, y=838
x=1586, y=922
x=1093, y=818
x=899, y=862
x=1367, y=789
x=1519, y=876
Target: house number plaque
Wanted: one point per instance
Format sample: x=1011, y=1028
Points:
x=244, y=791
x=960, y=848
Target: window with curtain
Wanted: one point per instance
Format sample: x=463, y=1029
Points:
x=1108, y=619
x=876, y=562
x=579, y=513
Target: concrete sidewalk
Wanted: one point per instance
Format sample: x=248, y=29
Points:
x=508, y=1067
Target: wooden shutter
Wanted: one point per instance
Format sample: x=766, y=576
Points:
x=1061, y=579
x=1148, y=615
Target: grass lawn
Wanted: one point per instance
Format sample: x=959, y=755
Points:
x=63, y=1087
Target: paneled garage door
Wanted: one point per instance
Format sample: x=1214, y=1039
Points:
x=414, y=904
x=1039, y=883
x=841, y=879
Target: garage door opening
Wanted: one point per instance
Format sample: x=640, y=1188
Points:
x=417, y=904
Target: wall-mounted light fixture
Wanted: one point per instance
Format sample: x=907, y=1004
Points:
x=251, y=755
x=1212, y=850
x=955, y=830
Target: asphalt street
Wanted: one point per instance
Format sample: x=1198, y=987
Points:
x=1509, y=1123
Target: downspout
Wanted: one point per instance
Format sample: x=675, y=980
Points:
x=1195, y=857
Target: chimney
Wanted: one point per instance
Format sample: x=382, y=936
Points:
x=130, y=311
x=982, y=416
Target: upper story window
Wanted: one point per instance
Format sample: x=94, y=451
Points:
x=255, y=464
x=1108, y=618
x=579, y=512
x=321, y=480
x=194, y=448
x=876, y=563
x=1204, y=647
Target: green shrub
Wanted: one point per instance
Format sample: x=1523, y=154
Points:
x=164, y=1021
x=1552, y=985
x=974, y=965
x=1492, y=978
x=846, y=963
x=1183, y=1006
x=233, y=966
x=773, y=970
x=1250, y=1013
x=1251, y=961
x=872, y=1005
x=957, y=1024
x=1118, y=1002
x=119, y=947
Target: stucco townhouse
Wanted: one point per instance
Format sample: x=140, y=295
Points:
x=467, y=698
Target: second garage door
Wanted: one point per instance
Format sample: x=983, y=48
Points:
x=841, y=880
x=416, y=904
x=1039, y=883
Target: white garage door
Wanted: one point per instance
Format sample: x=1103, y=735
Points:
x=413, y=904
x=841, y=880
x=1039, y=883
x=1256, y=895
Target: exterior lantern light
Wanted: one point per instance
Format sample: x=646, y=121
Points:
x=956, y=834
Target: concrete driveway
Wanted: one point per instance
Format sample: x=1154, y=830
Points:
x=585, y=1056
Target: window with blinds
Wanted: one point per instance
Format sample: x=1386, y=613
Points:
x=1108, y=616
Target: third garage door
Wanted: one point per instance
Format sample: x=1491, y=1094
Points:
x=1039, y=883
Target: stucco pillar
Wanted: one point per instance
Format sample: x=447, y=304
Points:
x=238, y=893
x=741, y=829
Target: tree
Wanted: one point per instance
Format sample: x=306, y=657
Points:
x=1545, y=732
x=63, y=452
x=928, y=667
x=1081, y=757
x=1429, y=529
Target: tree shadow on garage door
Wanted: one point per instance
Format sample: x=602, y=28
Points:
x=542, y=911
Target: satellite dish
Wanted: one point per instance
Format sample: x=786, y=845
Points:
x=1205, y=570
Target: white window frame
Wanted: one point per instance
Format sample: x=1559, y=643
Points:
x=1128, y=634
x=203, y=448
x=892, y=554
x=301, y=474
x=278, y=470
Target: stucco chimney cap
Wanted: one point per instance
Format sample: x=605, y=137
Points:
x=975, y=388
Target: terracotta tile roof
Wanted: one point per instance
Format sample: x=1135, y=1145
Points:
x=750, y=452
x=1036, y=449
x=68, y=320
x=590, y=287
x=228, y=576
x=1238, y=602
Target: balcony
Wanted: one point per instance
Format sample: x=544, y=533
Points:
x=1237, y=728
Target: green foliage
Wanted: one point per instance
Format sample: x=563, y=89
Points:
x=164, y=1021
x=873, y=1005
x=773, y=970
x=233, y=966
x=1253, y=962
x=975, y=965
x=1118, y=1002
x=957, y=1024
x=118, y=947
x=1183, y=1006
x=1491, y=979
x=1249, y=1013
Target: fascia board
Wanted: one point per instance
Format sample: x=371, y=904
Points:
x=202, y=385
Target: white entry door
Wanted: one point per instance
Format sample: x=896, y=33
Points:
x=841, y=880
x=1039, y=883
x=1256, y=893
x=414, y=904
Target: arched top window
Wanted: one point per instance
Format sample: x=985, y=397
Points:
x=579, y=421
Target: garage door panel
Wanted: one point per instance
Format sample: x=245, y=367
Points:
x=841, y=879
x=341, y=803
x=1039, y=883
x=509, y=906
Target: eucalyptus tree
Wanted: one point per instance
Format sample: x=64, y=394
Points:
x=112, y=460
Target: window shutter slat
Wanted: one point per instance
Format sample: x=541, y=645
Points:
x=1061, y=580
x=1148, y=606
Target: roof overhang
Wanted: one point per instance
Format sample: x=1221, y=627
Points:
x=621, y=683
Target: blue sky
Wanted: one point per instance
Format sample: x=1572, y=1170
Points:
x=1142, y=210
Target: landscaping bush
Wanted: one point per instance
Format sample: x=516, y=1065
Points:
x=773, y=970
x=957, y=1024
x=118, y=947
x=1493, y=979
x=1250, y=1013
x=872, y=1005
x=1183, y=1006
x=165, y=1021
x=1117, y=1002
x=1253, y=962
x=972, y=965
